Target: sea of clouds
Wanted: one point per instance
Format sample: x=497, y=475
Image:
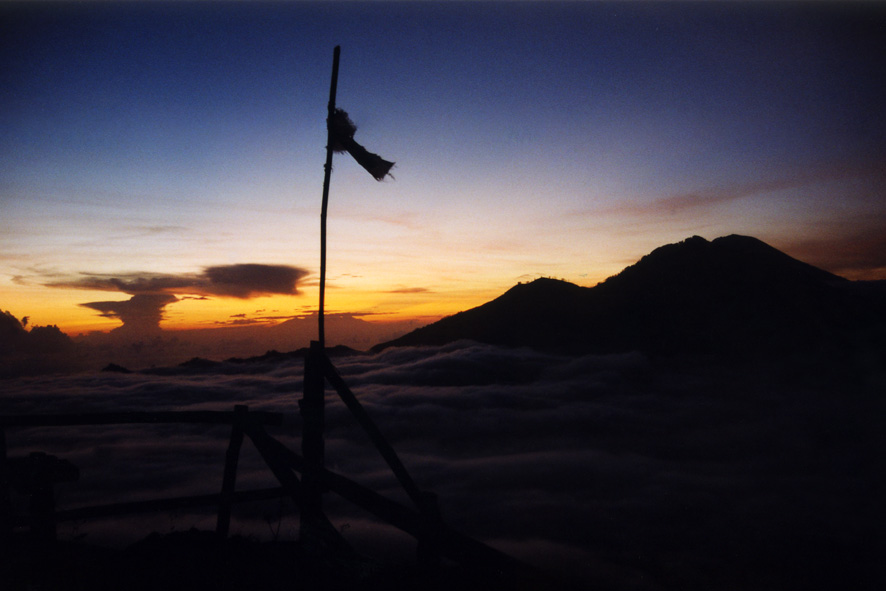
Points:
x=618, y=470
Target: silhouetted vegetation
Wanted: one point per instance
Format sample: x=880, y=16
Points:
x=42, y=348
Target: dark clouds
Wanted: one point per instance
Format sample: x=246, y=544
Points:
x=132, y=283
x=249, y=280
x=621, y=470
x=42, y=349
x=140, y=314
x=245, y=280
x=152, y=292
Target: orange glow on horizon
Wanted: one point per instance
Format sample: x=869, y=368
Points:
x=59, y=307
x=376, y=302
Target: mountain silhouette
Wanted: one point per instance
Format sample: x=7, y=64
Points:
x=733, y=294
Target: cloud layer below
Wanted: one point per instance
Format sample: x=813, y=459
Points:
x=618, y=470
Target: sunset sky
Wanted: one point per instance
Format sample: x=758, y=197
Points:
x=171, y=155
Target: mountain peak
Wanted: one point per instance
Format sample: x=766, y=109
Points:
x=734, y=293
x=543, y=287
x=728, y=262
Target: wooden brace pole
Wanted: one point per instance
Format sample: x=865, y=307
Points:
x=320, y=532
x=374, y=433
x=232, y=457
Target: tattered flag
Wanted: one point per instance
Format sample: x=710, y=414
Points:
x=341, y=134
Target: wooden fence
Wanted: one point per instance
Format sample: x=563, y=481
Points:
x=37, y=473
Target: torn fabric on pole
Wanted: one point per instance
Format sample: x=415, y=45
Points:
x=341, y=134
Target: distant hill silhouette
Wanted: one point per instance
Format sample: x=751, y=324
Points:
x=732, y=294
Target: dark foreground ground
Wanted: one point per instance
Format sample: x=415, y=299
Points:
x=199, y=560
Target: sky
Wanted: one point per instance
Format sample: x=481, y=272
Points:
x=161, y=165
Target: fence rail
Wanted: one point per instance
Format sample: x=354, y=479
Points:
x=156, y=505
x=212, y=417
x=38, y=473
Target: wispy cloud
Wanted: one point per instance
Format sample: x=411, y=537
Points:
x=858, y=254
x=161, y=229
x=704, y=197
x=409, y=290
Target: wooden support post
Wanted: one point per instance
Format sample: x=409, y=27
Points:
x=5, y=504
x=41, y=508
x=232, y=457
x=312, y=409
x=42, y=472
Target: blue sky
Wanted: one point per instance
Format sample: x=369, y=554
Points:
x=530, y=139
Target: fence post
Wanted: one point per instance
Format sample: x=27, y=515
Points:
x=5, y=505
x=232, y=457
x=43, y=472
x=312, y=407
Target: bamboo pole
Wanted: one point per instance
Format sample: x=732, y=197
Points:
x=327, y=174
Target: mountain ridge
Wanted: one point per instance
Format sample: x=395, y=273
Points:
x=732, y=294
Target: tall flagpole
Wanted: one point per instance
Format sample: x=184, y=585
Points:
x=312, y=404
x=327, y=174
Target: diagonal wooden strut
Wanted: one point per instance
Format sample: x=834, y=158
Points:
x=381, y=444
x=320, y=530
x=452, y=543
